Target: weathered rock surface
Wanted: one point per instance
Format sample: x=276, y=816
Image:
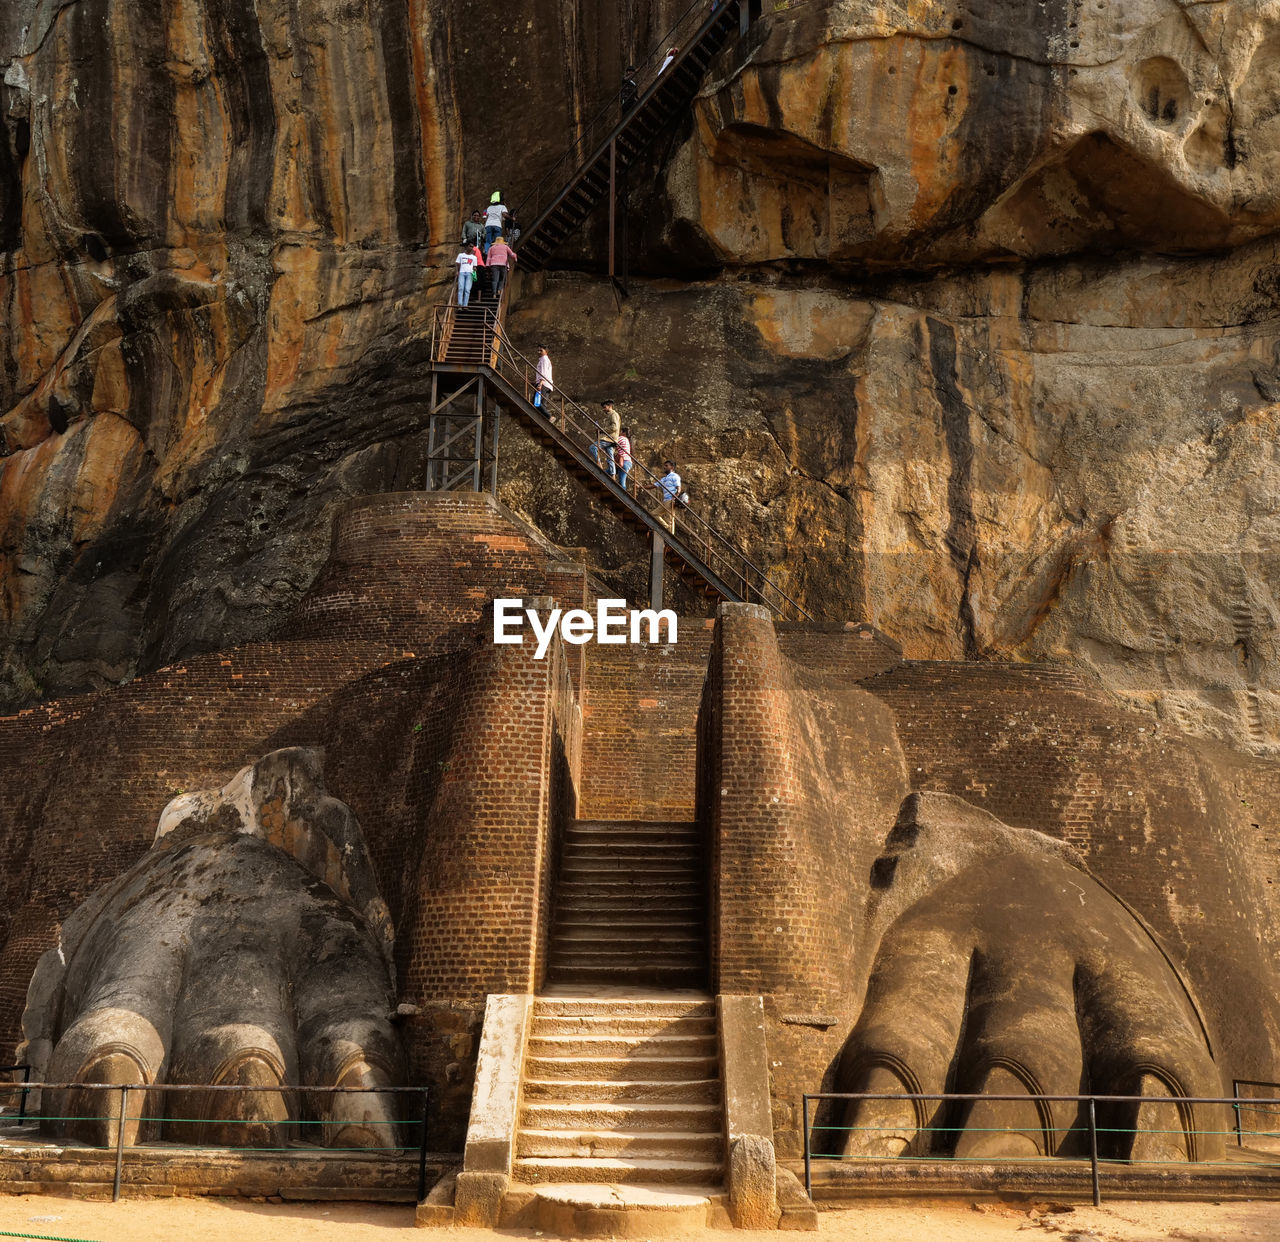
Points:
x=983, y=346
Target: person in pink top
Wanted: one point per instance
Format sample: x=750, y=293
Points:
x=500, y=257
x=622, y=456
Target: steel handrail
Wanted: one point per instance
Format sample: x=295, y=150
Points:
x=1238, y=1100
x=742, y=568
x=965, y=1096
x=609, y=116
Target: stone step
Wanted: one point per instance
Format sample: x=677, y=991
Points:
x=629, y=1068
x=701, y=1117
x=654, y=976
x=599, y=939
x=654, y=919
x=695, y=1006
x=603, y=848
x=649, y=836
x=614, y=1044
x=609, y=950
x=653, y=908
x=632, y=887
x=586, y=1092
x=605, y=967
x=635, y=825
x=618, y=1169
x=625, y=959
x=621, y=1024
x=651, y=845
x=588, y=1210
x=597, y=1144
x=579, y=868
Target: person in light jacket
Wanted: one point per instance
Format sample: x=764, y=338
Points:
x=497, y=261
x=544, y=385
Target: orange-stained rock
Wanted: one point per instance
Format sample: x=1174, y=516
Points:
x=916, y=353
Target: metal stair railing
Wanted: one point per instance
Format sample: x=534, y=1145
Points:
x=446, y=321
x=592, y=144
x=727, y=570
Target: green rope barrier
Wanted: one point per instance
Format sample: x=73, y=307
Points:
x=44, y=1237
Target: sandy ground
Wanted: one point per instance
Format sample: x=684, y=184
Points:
x=229, y=1220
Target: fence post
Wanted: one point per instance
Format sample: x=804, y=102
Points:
x=422, y=1151
x=1093, y=1153
x=22, y=1095
x=124, y=1105
x=808, y=1165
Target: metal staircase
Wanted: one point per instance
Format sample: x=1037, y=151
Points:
x=477, y=373
x=594, y=166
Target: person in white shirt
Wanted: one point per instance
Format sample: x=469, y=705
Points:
x=666, y=64
x=494, y=219
x=544, y=386
x=467, y=263
x=668, y=493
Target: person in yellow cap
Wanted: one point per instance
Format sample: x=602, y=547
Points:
x=494, y=220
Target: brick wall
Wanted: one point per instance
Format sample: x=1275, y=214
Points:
x=478, y=917
x=852, y=651
x=416, y=565
x=640, y=711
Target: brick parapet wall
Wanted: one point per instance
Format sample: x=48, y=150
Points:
x=640, y=711
x=852, y=651
x=799, y=782
x=418, y=565
x=483, y=882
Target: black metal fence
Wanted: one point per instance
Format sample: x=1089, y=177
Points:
x=1267, y=1108
x=119, y=1098
x=24, y=1089
x=1087, y=1127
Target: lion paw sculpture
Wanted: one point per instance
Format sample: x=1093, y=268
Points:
x=1006, y=970
x=248, y=947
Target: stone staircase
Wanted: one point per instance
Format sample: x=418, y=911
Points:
x=622, y=1090
x=630, y=906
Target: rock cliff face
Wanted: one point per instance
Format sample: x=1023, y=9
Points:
x=963, y=315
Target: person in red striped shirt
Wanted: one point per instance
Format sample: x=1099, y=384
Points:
x=622, y=456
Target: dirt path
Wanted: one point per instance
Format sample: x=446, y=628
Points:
x=230, y=1220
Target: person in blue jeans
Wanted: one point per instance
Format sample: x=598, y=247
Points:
x=494, y=220
x=467, y=261
x=606, y=444
x=668, y=494
x=622, y=456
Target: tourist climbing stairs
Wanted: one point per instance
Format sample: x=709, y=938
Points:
x=618, y=136
x=467, y=343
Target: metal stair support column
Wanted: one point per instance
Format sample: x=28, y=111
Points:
x=464, y=426
x=657, y=559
